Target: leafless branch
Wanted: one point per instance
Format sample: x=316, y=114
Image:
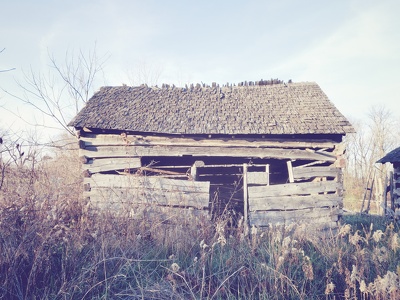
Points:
x=64, y=90
x=6, y=70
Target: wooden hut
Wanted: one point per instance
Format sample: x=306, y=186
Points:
x=269, y=151
x=393, y=157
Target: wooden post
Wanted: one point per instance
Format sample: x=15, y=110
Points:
x=290, y=171
x=194, y=169
x=391, y=191
x=245, y=199
x=267, y=171
x=193, y=173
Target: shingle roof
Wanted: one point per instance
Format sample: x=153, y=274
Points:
x=393, y=156
x=293, y=108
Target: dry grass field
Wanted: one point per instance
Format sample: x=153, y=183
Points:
x=53, y=247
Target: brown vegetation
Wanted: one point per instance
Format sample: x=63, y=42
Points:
x=53, y=247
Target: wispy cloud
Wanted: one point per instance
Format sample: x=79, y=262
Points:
x=363, y=51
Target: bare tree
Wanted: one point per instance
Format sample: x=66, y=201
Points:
x=5, y=70
x=374, y=138
x=382, y=131
x=145, y=74
x=64, y=89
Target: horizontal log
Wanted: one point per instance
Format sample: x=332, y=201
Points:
x=311, y=164
x=130, y=196
x=150, y=182
x=291, y=189
x=109, y=164
x=177, y=215
x=140, y=140
x=135, y=151
x=254, y=178
x=294, y=202
x=160, y=171
x=309, y=172
x=153, y=213
x=309, y=216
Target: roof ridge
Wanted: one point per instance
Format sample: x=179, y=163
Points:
x=260, y=82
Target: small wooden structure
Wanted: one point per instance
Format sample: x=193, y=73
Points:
x=269, y=151
x=393, y=157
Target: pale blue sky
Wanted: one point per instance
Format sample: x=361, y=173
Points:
x=350, y=48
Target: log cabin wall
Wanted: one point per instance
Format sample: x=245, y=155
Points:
x=208, y=150
x=287, y=179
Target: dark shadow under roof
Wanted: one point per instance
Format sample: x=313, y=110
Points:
x=392, y=157
x=293, y=108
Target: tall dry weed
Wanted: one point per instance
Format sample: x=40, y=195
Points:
x=53, y=247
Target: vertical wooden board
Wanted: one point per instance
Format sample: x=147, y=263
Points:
x=245, y=193
x=290, y=171
x=392, y=197
x=193, y=172
x=268, y=173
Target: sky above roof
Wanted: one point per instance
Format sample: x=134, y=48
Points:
x=349, y=47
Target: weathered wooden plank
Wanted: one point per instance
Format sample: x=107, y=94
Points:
x=153, y=213
x=140, y=140
x=149, y=196
x=135, y=151
x=294, y=202
x=160, y=171
x=150, y=182
x=309, y=172
x=289, y=189
x=109, y=164
x=177, y=215
x=245, y=196
x=312, y=215
x=312, y=226
x=254, y=178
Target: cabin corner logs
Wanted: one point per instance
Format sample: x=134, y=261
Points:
x=266, y=180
